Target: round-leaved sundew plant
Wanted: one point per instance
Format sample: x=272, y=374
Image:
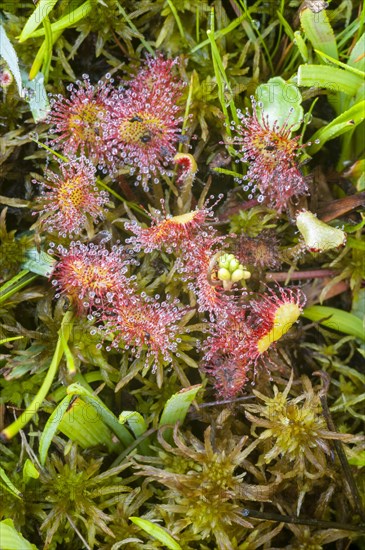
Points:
x=168, y=232
x=238, y=340
x=225, y=359
x=91, y=276
x=200, y=257
x=78, y=121
x=273, y=315
x=272, y=157
x=70, y=199
x=143, y=127
x=141, y=323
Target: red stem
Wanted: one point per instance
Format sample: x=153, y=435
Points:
x=309, y=274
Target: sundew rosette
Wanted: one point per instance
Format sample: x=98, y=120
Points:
x=240, y=339
x=70, y=199
x=144, y=326
x=78, y=121
x=271, y=155
x=168, y=232
x=91, y=276
x=143, y=128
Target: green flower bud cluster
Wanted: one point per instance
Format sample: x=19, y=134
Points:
x=230, y=271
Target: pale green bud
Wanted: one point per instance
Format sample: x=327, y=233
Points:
x=233, y=265
x=224, y=274
x=225, y=260
x=240, y=274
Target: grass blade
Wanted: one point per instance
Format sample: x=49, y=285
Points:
x=44, y=7
x=336, y=319
x=156, y=532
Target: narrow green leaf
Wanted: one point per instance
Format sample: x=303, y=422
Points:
x=343, y=123
x=48, y=43
x=16, y=283
x=8, y=53
x=10, y=339
x=51, y=428
x=156, y=532
x=287, y=28
x=301, y=45
x=7, y=484
x=225, y=93
x=357, y=55
x=135, y=421
x=108, y=417
x=358, y=304
x=228, y=172
x=37, y=401
x=336, y=319
x=330, y=78
x=221, y=32
x=44, y=7
x=177, y=19
x=11, y=539
x=138, y=426
x=67, y=20
x=82, y=423
x=177, y=406
x=347, y=67
x=41, y=53
x=319, y=32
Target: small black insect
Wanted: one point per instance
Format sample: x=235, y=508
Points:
x=135, y=119
x=146, y=138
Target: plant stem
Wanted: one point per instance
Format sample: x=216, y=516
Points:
x=308, y=274
x=339, y=447
x=33, y=407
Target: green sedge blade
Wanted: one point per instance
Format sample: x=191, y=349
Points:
x=156, y=532
x=336, y=319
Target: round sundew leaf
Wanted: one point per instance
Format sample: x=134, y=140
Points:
x=280, y=102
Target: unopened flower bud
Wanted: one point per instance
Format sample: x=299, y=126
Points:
x=187, y=162
x=233, y=265
x=240, y=274
x=224, y=274
x=224, y=260
x=231, y=271
x=317, y=235
x=6, y=78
